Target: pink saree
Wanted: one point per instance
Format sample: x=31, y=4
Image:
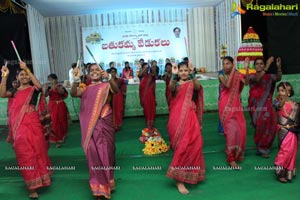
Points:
x=288, y=118
x=97, y=131
x=232, y=118
x=127, y=74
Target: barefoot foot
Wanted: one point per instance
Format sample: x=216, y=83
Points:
x=234, y=165
x=181, y=188
x=58, y=145
x=283, y=180
x=33, y=194
x=265, y=155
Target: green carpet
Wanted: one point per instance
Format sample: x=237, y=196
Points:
x=132, y=184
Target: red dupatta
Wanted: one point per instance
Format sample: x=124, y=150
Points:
x=232, y=118
x=179, y=110
x=184, y=128
x=229, y=101
x=92, y=103
x=20, y=105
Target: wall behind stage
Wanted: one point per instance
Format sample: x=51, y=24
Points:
x=64, y=38
x=14, y=27
x=284, y=38
x=278, y=34
x=133, y=42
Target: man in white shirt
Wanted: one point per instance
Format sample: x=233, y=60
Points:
x=71, y=73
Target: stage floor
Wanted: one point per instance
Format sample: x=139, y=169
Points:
x=131, y=184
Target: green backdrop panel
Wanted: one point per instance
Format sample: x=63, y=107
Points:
x=133, y=107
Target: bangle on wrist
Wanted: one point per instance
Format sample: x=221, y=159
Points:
x=5, y=75
x=109, y=77
x=76, y=80
x=174, y=77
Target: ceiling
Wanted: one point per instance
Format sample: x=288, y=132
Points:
x=79, y=7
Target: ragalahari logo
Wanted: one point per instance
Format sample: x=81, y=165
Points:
x=276, y=10
x=236, y=10
x=270, y=9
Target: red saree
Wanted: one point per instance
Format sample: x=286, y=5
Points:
x=185, y=132
x=147, y=99
x=98, y=138
x=29, y=142
x=262, y=113
x=286, y=157
x=59, y=115
x=232, y=118
x=118, y=104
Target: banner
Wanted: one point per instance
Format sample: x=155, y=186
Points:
x=133, y=42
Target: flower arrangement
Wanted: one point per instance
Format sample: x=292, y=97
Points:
x=147, y=133
x=154, y=143
x=252, y=48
